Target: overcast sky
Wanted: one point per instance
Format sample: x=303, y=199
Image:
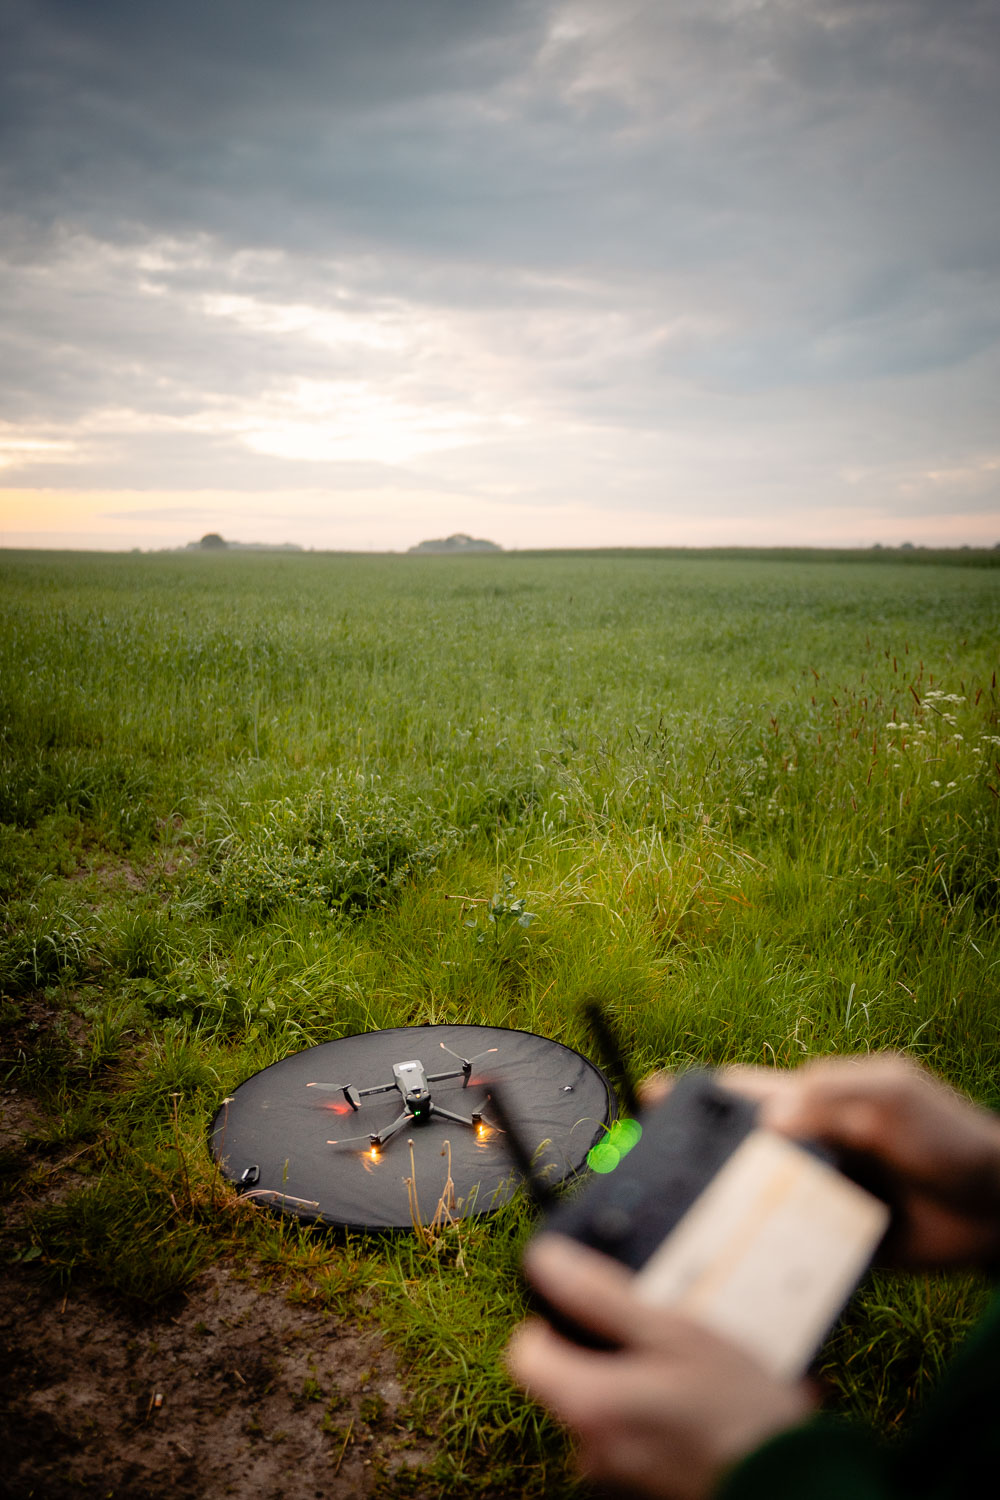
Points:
x=596, y=272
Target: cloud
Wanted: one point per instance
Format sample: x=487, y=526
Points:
x=546, y=135
x=550, y=251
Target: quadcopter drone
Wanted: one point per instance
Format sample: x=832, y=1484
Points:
x=412, y=1083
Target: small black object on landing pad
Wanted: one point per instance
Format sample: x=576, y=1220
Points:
x=323, y=1135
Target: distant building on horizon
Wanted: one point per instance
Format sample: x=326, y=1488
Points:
x=459, y=542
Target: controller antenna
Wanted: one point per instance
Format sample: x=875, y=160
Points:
x=610, y=1051
x=539, y=1191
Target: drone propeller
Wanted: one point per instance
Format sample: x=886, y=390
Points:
x=465, y=1072
x=469, y=1062
x=350, y=1093
x=373, y=1143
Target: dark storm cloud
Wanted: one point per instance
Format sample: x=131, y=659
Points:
x=653, y=134
x=219, y=117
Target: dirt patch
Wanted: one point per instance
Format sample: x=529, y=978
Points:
x=119, y=876
x=18, y=1118
x=110, y=875
x=32, y=1021
x=233, y=1390
x=236, y=1392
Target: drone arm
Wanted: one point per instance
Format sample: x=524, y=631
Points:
x=447, y=1114
x=379, y=1088
x=376, y=1138
x=440, y=1077
x=390, y=1130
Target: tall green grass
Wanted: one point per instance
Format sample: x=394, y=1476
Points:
x=250, y=803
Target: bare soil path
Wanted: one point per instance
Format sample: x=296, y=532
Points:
x=235, y=1391
x=231, y=1390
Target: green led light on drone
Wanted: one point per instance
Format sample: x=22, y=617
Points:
x=618, y=1142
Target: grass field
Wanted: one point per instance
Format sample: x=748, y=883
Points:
x=252, y=802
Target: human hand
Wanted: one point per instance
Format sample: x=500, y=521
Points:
x=666, y=1411
x=940, y=1152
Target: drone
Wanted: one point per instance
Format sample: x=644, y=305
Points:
x=412, y=1084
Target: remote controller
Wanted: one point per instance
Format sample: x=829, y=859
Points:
x=760, y=1238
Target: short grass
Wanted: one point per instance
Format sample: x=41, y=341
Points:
x=250, y=803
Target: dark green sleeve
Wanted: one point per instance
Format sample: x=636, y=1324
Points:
x=950, y=1446
x=824, y=1460
x=956, y=1440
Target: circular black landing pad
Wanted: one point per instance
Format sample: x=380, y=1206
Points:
x=272, y=1137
